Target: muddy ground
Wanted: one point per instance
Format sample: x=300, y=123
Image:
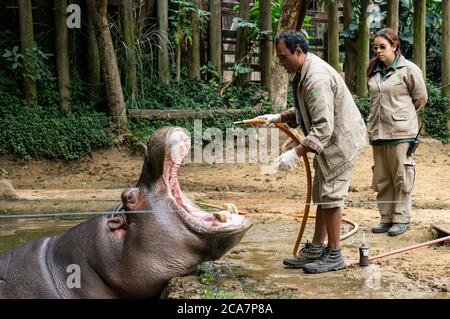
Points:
x=253, y=269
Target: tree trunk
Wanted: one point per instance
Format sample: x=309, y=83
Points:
x=302, y=9
x=392, y=15
x=419, y=55
x=62, y=55
x=266, y=46
x=114, y=94
x=194, y=47
x=333, y=35
x=215, y=35
x=93, y=71
x=351, y=55
x=363, y=50
x=163, y=50
x=178, y=64
x=145, y=10
x=127, y=23
x=445, y=45
x=242, y=45
x=26, y=44
x=289, y=20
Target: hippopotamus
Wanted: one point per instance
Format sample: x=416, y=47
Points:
x=155, y=234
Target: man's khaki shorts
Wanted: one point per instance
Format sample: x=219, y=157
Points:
x=331, y=194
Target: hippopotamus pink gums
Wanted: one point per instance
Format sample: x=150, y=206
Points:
x=156, y=234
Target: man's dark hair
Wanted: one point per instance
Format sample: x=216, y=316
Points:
x=293, y=40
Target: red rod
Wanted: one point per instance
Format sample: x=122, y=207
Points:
x=400, y=250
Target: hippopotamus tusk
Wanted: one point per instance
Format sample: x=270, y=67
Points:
x=156, y=234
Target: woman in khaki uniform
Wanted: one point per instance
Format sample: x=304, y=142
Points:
x=397, y=90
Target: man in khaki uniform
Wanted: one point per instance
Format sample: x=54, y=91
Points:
x=397, y=90
x=334, y=131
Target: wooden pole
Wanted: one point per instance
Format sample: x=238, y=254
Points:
x=26, y=44
x=127, y=23
x=419, y=49
x=194, y=47
x=242, y=45
x=163, y=49
x=333, y=35
x=392, y=15
x=215, y=35
x=266, y=46
x=363, y=50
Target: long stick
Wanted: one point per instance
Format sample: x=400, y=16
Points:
x=400, y=250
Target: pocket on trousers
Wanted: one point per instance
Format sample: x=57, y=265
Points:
x=374, y=184
x=410, y=176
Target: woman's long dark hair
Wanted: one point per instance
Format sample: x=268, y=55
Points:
x=392, y=38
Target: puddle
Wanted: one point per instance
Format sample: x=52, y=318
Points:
x=259, y=257
x=16, y=231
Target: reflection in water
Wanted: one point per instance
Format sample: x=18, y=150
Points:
x=17, y=231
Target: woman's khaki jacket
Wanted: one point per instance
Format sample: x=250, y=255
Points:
x=395, y=101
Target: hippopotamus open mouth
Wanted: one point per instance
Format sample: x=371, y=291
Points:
x=156, y=234
x=162, y=182
x=226, y=221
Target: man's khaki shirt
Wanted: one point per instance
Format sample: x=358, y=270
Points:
x=334, y=128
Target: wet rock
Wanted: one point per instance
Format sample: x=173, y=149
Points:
x=7, y=190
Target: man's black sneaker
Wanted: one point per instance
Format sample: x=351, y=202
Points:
x=330, y=260
x=398, y=229
x=307, y=254
x=381, y=228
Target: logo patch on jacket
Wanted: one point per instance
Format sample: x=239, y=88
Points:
x=314, y=93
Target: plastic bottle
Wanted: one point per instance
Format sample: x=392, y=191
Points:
x=363, y=253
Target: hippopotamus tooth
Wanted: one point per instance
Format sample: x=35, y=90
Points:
x=156, y=234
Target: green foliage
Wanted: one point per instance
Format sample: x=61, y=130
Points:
x=13, y=58
x=210, y=70
x=254, y=16
x=194, y=95
x=39, y=70
x=363, y=104
x=181, y=20
x=436, y=113
x=240, y=69
x=44, y=133
x=36, y=70
x=47, y=87
x=205, y=278
x=7, y=84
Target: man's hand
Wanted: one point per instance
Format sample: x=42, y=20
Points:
x=287, y=160
x=270, y=118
